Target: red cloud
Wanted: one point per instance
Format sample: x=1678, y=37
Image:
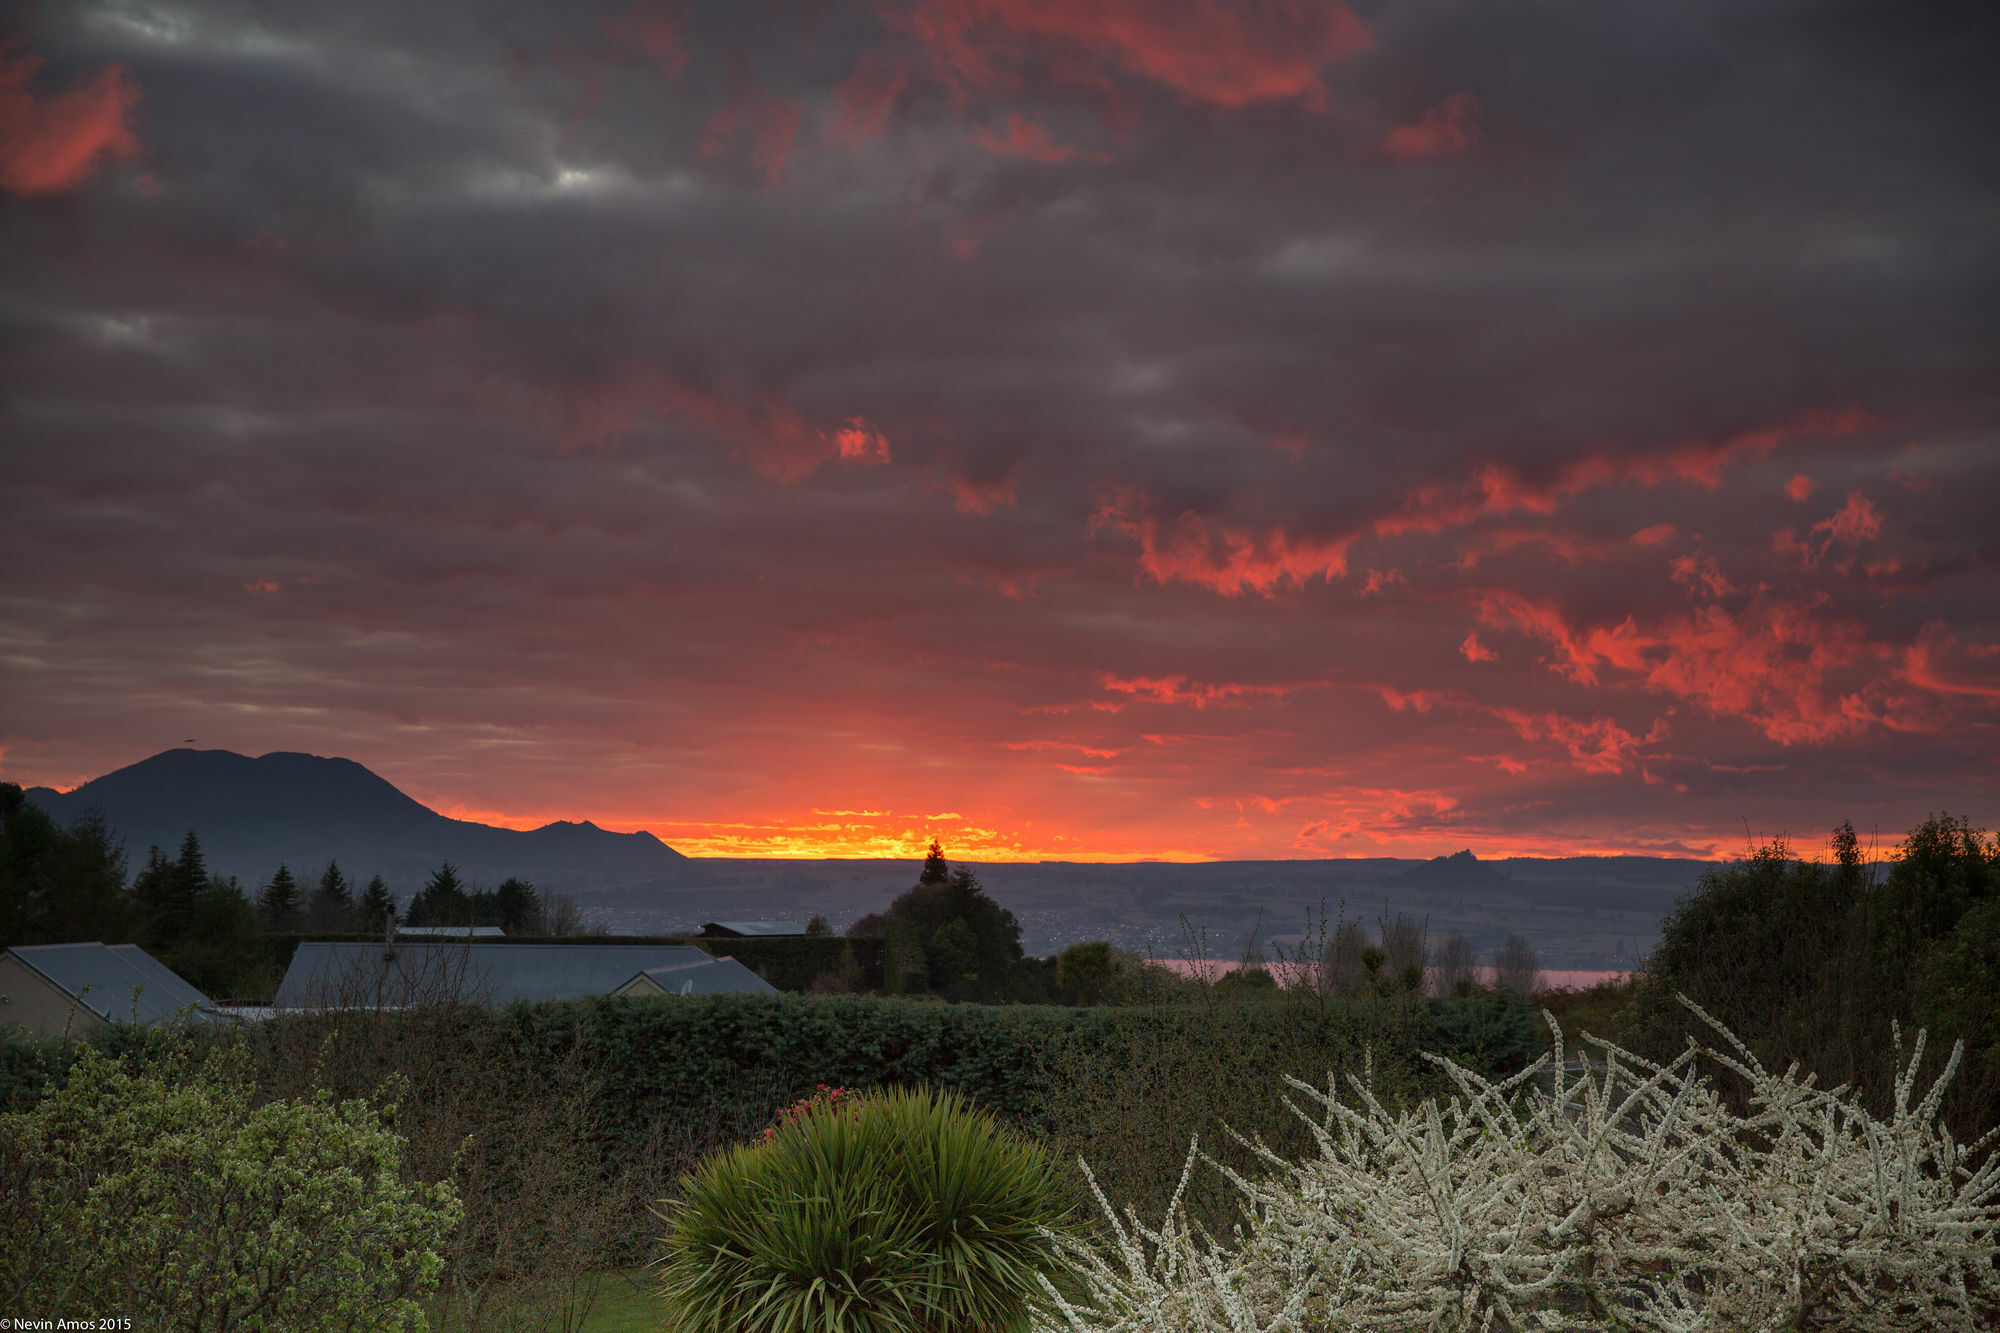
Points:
x=1027, y=138
x=772, y=436
x=1597, y=746
x=1448, y=129
x=1657, y=535
x=978, y=497
x=1474, y=650
x=1771, y=664
x=1227, y=559
x=1701, y=573
x=56, y=141
x=1938, y=662
x=1858, y=521
x=1181, y=690
x=1800, y=486
x=1380, y=581
x=1208, y=51
x=865, y=98
x=1421, y=701
x=773, y=123
x=861, y=443
x=1369, y=812
x=652, y=29
x=1495, y=490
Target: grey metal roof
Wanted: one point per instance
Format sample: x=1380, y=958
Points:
x=118, y=982
x=713, y=976
x=754, y=928
x=352, y=973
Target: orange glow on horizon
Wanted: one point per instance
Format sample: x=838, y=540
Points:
x=885, y=835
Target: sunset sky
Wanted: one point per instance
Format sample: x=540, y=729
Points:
x=1073, y=429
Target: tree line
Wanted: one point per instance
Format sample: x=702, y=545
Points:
x=67, y=885
x=946, y=936
x=1833, y=961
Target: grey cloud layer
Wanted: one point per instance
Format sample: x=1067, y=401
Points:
x=440, y=326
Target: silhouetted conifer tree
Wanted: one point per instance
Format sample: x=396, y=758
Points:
x=442, y=901
x=518, y=906
x=331, y=903
x=279, y=902
x=377, y=905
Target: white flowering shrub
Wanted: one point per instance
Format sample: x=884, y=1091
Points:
x=1630, y=1197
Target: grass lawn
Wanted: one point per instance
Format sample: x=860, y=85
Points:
x=625, y=1304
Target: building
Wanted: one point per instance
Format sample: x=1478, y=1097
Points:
x=712, y=977
x=450, y=933
x=53, y=990
x=747, y=930
x=378, y=975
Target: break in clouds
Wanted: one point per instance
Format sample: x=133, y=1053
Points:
x=1096, y=428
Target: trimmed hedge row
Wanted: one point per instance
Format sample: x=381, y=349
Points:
x=662, y=1060
x=704, y=1053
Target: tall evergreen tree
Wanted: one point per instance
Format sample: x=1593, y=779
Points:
x=518, y=906
x=89, y=901
x=220, y=954
x=442, y=901
x=377, y=905
x=943, y=896
x=193, y=864
x=151, y=888
x=166, y=892
x=331, y=906
x=27, y=837
x=279, y=902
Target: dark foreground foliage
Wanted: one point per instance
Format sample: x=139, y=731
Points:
x=1822, y=961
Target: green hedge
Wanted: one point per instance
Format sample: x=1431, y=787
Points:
x=673, y=1078
x=666, y=1058
x=661, y=1060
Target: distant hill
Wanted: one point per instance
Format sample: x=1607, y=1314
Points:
x=302, y=810
x=1459, y=871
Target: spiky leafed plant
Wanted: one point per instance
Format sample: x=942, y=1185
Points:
x=891, y=1212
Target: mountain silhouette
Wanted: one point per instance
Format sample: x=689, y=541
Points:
x=304, y=810
x=1460, y=870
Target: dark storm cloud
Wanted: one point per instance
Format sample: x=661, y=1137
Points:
x=1175, y=430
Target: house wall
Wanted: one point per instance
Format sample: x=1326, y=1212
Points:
x=33, y=1002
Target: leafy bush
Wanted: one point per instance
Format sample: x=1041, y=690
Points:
x=896, y=1210
x=1818, y=961
x=155, y=1187
x=1632, y=1197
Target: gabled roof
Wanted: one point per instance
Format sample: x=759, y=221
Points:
x=715, y=976
x=350, y=973
x=752, y=928
x=118, y=982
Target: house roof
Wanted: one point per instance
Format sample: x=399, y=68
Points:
x=118, y=982
x=355, y=973
x=752, y=928
x=713, y=976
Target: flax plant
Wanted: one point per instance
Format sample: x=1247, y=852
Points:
x=891, y=1212
x=1631, y=1197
